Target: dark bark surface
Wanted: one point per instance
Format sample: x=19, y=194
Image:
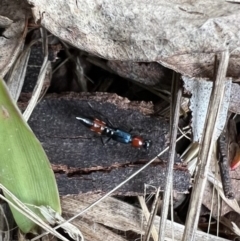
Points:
x=82, y=163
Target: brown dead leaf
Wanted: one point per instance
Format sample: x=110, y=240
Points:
x=13, y=20
x=180, y=35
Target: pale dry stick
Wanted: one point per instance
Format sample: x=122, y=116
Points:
x=79, y=71
x=218, y=215
x=204, y=156
x=4, y=220
x=147, y=215
x=38, y=87
x=152, y=216
x=190, y=153
x=158, y=93
x=164, y=112
x=151, y=194
x=172, y=214
x=61, y=64
x=190, y=157
x=16, y=78
x=186, y=127
x=218, y=197
x=213, y=196
x=169, y=174
x=211, y=210
x=172, y=99
x=218, y=185
x=186, y=151
x=110, y=192
x=145, y=209
x=16, y=91
x=99, y=63
x=187, y=137
x=23, y=209
x=17, y=74
x=235, y=228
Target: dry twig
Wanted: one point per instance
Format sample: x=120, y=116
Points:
x=206, y=149
x=168, y=183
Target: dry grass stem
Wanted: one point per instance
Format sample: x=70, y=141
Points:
x=152, y=216
x=16, y=75
x=169, y=174
x=206, y=149
x=39, y=85
x=147, y=216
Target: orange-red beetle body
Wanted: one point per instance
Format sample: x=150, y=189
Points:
x=98, y=126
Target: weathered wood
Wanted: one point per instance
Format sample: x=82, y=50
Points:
x=82, y=163
x=117, y=215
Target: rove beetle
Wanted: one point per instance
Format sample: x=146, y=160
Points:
x=116, y=134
